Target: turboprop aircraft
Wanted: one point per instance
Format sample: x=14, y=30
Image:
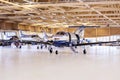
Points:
x=66, y=39
x=8, y=37
x=29, y=39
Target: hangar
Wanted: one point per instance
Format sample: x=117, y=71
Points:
x=59, y=39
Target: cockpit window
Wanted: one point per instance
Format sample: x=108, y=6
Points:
x=14, y=38
x=34, y=36
x=61, y=33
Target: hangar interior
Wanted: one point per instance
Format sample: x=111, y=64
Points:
x=52, y=16
x=55, y=15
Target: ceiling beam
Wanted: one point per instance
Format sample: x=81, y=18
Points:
x=93, y=9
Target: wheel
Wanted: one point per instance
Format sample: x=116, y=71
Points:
x=37, y=47
x=41, y=46
x=20, y=47
x=75, y=46
x=45, y=46
x=51, y=50
x=56, y=52
x=84, y=51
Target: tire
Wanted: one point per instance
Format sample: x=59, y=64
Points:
x=37, y=47
x=56, y=52
x=20, y=47
x=84, y=51
x=51, y=50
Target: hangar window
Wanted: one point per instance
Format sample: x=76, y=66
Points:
x=114, y=37
x=105, y=38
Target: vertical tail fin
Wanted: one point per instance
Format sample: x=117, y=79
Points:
x=80, y=29
x=80, y=32
x=45, y=36
x=20, y=33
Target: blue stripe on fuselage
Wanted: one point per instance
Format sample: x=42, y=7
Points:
x=61, y=43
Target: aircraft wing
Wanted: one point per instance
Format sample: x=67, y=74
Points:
x=80, y=44
x=35, y=42
x=94, y=43
x=8, y=42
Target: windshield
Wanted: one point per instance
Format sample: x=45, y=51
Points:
x=61, y=33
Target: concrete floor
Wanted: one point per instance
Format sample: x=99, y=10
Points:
x=100, y=63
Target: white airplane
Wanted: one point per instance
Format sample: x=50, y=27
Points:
x=29, y=38
x=14, y=37
x=62, y=39
x=65, y=39
x=8, y=37
x=46, y=36
x=34, y=39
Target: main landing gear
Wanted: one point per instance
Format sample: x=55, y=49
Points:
x=20, y=46
x=56, y=52
x=40, y=47
x=84, y=51
x=51, y=50
x=17, y=44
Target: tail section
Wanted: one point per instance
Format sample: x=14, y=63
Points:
x=80, y=32
x=23, y=35
x=20, y=33
x=80, y=29
x=45, y=36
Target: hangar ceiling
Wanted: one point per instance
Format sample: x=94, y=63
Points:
x=61, y=13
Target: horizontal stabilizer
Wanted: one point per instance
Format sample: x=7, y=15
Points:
x=84, y=26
